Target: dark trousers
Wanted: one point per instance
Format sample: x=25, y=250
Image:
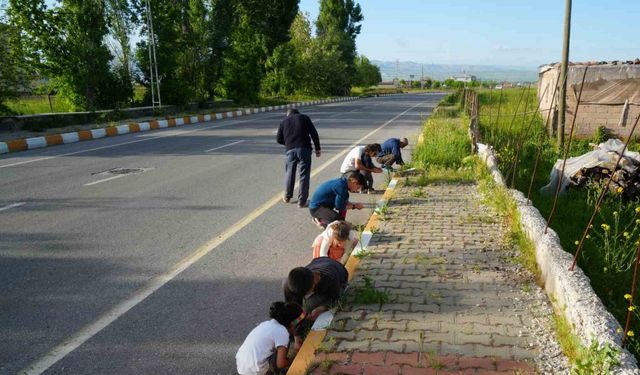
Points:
x=386, y=160
x=325, y=214
x=292, y=158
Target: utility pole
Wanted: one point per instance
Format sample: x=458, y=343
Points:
x=564, y=68
x=397, y=77
x=153, y=62
x=422, y=76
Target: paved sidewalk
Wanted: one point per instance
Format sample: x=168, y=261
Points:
x=458, y=303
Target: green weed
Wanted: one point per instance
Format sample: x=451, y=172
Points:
x=382, y=210
x=367, y=294
x=596, y=359
x=419, y=193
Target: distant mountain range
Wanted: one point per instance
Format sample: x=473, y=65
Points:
x=443, y=71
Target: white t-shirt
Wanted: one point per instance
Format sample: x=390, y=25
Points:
x=349, y=163
x=253, y=356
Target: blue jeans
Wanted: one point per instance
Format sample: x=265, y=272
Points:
x=292, y=158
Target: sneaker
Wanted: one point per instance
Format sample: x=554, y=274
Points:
x=285, y=199
x=319, y=223
x=371, y=191
x=303, y=204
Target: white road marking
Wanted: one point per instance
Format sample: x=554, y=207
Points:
x=12, y=206
x=105, y=179
x=227, y=145
x=147, y=138
x=90, y=330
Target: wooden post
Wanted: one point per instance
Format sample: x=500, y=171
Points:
x=623, y=115
x=563, y=72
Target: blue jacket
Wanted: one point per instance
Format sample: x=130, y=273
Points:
x=392, y=146
x=332, y=194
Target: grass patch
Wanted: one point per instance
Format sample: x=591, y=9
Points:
x=440, y=175
x=366, y=91
x=31, y=105
x=569, y=343
x=605, y=257
x=368, y=295
x=445, y=142
x=592, y=359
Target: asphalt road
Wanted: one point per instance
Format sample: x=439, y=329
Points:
x=165, y=270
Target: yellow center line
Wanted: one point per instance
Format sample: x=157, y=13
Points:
x=90, y=330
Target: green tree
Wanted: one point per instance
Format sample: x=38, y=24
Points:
x=270, y=18
x=324, y=73
x=259, y=27
x=220, y=21
x=13, y=67
x=168, y=34
x=281, y=71
x=121, y=21
x=243, y=63
x=337, y=26
x=286, y=65
x=193, y=58
x=67, y=42
x=315, y=68
x=367, y=74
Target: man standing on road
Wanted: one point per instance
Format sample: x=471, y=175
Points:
x=296, y=132
x=391, y=152
x=359, y=160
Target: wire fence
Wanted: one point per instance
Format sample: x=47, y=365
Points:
x=471, y=102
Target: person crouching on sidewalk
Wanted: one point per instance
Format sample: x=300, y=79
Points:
x=330, y=201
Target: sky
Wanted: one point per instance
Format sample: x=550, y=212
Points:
x=522, y=33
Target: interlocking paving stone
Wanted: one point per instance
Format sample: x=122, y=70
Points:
x=455, y=303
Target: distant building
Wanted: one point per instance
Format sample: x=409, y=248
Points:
x=610, y=97
x=464, y=78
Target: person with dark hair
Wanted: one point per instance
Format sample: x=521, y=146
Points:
x=265, y=348
x=296, y=132
x=316, y=287
x=359, y=160
x=330, y=201
x=390, y=152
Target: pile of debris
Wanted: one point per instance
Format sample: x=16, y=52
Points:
x=599, y=165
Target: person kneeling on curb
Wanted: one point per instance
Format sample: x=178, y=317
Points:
x=330, y=201
x=265, y=349
x=317, y=287
x=359, y=159
x=336, y=242
x=391, y=153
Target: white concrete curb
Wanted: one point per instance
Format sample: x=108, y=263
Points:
x=571, y=292
x=83, y=135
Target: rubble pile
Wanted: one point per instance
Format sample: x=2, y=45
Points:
x=599, y=165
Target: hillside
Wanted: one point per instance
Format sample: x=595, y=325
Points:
x=444, y=71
